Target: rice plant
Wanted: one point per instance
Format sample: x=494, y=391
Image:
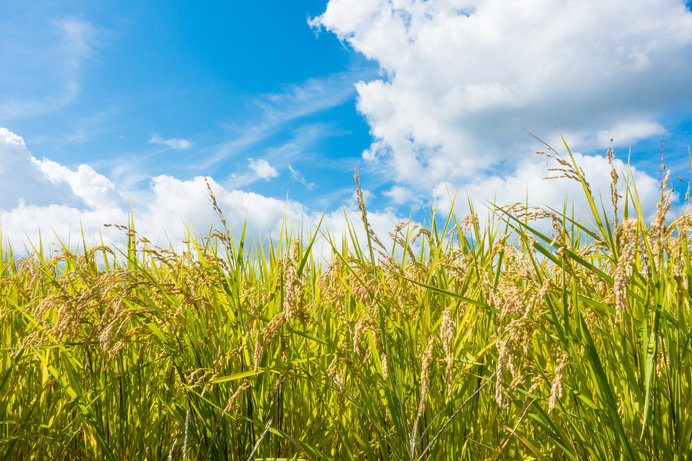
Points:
x=457, y=341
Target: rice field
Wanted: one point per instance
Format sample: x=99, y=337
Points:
x=455, y=341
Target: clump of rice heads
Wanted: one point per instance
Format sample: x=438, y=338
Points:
x=459, y=341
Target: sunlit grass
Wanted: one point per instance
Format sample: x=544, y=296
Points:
x=457, y=342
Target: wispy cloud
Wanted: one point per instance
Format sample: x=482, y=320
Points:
x=297, y=176
x=173, y=143
x=281, y=156
x=269, y=113
x=82, y=129
x=60, y=51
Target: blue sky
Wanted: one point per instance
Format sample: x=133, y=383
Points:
x=103, y=103
x=237, y=80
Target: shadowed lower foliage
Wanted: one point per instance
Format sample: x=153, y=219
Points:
x=458, y=342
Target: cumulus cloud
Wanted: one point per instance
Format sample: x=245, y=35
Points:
x=44, y=196
x=527, y=185
x=41, y=199
x=173, y=143
x=95, y=190
x=461, y=79
x=178, y=205
x=41, y=195
x=26, y=179
x=399, y=195
x=262, y=169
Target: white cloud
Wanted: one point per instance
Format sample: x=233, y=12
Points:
x=173, y=143
x=32, y=224
x=94, y=189
x=178, y=203
x=41, y=182
x=44, y=196
x=526, y=185
x=62, y=202
x=259, y=169
x=11, y=140
x=462, y=79
x=399, y=195
x=262, y=169
x=623, y=134
x=41, y=195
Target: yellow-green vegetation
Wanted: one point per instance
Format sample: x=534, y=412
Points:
x=458, y=341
